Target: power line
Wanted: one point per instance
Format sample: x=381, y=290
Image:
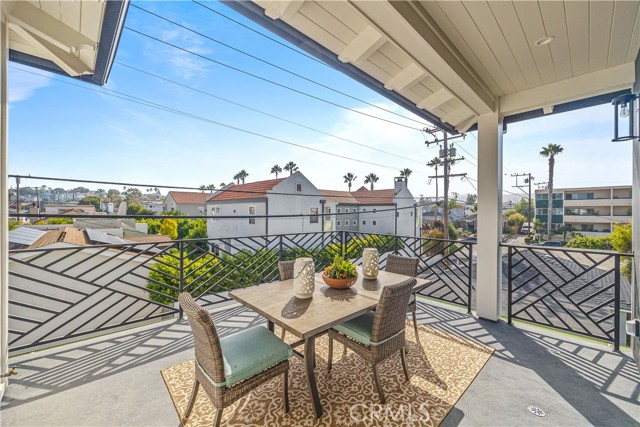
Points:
x=264, y=112
x=226, y=190
x=147, y=103
x=264, y=79
x=264, y=61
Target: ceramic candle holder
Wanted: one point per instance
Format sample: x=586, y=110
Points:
x=370, y=260
x=303, y=278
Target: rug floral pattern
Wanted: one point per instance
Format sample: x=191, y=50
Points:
x=441, y=368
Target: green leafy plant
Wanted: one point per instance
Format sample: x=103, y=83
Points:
x=341, y=269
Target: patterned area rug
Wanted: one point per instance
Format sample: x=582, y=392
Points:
x=441, y=368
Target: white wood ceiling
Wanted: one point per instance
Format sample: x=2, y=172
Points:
x=459, y=59
x=65, y=32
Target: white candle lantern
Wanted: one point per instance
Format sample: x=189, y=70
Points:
x=304, y=278
x=370, y=260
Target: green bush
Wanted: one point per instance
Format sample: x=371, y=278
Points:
x=586, y=242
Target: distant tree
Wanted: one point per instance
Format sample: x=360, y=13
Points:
x=516, y=219
x=113, y=195
x=169, y=228
x=202, y=188
x=371, y=179
x=59, y=221
x=349, y=178
x=242, y=175
x=621, y=242
x=12, y=225
x=236, y=177
x=471, y=199
x=522, y=207
x=153, y=225
x=550, y=151
x=222, y=184
x=406, y=172
x=210, y=187
x=133, y=195
x=135, y=209
x=564, y=229
x=586, y=242
x=276, y=169
x=434, y=163
x=291, y=168
x=91, y=200
x=197, y=229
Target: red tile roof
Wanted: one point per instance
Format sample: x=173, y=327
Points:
x=251, y=190
x=338, y=196
x=188, y=197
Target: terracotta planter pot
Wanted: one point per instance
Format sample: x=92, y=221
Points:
x=339, y=283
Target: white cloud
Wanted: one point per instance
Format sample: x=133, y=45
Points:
x=23, y=86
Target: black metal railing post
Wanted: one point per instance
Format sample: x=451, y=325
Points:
x=396, y=245
x=616, y=305
x=509, y=283
x=181, y=276
x=280, y=255
x=470, y=277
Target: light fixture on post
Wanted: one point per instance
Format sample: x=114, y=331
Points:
x=624, y=108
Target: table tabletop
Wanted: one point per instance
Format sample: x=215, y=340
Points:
x=328, y=307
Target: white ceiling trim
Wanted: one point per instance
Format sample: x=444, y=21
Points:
x=361, y=47
x=573, y=89
x=435, y=100
x=406, y=78
x=276, y=9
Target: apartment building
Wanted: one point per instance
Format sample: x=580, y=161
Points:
x=590, y=210
x=187, y=202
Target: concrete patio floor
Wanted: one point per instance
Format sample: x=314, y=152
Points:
x=115, y=379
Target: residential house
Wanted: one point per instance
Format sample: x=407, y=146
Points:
x=68, y=209
x=589, y=210
x=187, y=202
x=386, y=211
x=293, y=195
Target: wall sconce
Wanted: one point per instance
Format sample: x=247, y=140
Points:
x=624, y=108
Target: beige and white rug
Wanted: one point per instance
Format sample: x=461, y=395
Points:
x=441, y=368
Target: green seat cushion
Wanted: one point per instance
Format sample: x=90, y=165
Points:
x=250, y=352
x=412, y=298
x=358, y=329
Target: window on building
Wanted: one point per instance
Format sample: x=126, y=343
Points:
x=338, y=210
x=299, y=188
x=313, y=219
x=338, y=223
x=355, y=223
x=374, y=209
x=252, y=211
x=364, y=222
x=364, y=209
x=374, y=222
x=346, y=210
x=215, y=212
x=327, y=210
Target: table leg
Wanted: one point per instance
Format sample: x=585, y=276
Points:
x=270, y=325
x=309, y=358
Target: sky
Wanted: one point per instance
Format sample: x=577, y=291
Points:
x=60, y=127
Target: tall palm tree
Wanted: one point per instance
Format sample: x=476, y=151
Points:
x=236, y=177
x=242, y=175
x=211, y=187
x=349, y=178
x=406, y=172
x=291, y=168
x=550, y=151
x=202, y=188
x=372, y=178
x=276, y=169
x=222, y=184
x=434, y=163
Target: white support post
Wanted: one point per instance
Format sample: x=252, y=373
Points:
x=489, y=252
x=4, y=203
x=635, y=237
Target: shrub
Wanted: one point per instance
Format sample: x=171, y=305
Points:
x=586, y=242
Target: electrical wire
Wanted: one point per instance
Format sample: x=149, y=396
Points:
x=264, y=61
x=264, y=79
x=137, y=100
x=264, y=112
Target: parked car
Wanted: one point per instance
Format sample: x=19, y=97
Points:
x=550, y=243
x=525, y=229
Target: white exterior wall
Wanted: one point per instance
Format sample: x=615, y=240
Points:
x=282, y=204
x=406, y=217
x=223, y=228
x=384, y=216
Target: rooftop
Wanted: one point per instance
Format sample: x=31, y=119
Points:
x=115, y=379
x=361, y=196
x=251, y=190
x=188, y=197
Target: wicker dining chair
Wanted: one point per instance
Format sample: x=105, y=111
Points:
x=231, y=367
x=377, y=335
x=409, y=267
x=286, y=273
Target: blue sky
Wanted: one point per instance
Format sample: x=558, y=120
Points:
x=64, y=131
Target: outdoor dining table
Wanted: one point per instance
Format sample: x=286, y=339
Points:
x=307, y=319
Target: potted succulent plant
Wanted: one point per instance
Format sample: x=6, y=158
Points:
x=341, y=274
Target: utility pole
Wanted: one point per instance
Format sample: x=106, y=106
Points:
x=18, y=196
x=446, y=153
x=527, y=180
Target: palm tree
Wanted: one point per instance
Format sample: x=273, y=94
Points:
x=211, y=187
x=291, y=168
x=349, y=178
x=434, y=163
x=406, y=172
x=237, y=178
x=276, y=169
x=550, y=151
x=242, y=175
x=202, y=188
x=372, y=178
x=222, y=184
